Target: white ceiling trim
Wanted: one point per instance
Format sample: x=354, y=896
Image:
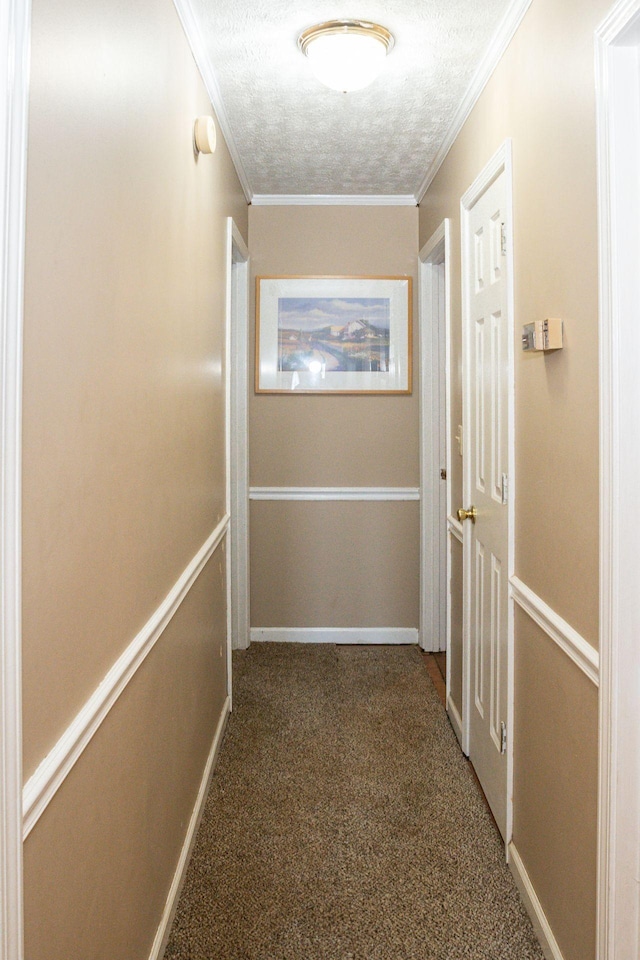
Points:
x=501, y=40
x=203, y=63
x=333, y=199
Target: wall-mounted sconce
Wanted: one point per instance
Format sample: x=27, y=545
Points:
x=204, y=135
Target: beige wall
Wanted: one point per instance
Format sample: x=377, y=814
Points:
x=355, y=441
x=99, y=863
x=556, y=810
x=338, y=564
x=542, y=95
x=124, y=471
x=123, y=458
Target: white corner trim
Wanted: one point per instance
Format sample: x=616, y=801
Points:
x=164, y=929
x=568, y=639
x=191, y=27
x=617, y=72
x=455, y=529
x=15, y=19
x=334, y=493
x=368, y=635
x=228, y=403
x=332, y=200
x=533, y=906
x=501, y=40
x=48, y=777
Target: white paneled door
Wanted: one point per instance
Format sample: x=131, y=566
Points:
x=486, y=488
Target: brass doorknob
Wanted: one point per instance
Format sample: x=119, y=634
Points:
x=469, y=514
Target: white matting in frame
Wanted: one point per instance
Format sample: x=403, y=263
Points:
x=333, y=334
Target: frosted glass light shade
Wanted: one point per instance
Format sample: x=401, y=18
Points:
x=346, y=55
x=346, y=61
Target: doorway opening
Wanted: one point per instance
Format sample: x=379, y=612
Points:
x=435, y=311
x=237, y=349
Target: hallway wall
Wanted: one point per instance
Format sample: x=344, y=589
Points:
x=123, y=465
x=336, y=564
x=542, y=95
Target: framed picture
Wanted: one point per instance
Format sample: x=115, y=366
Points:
x=333, y=334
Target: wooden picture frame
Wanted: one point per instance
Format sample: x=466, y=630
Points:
x=340, y=335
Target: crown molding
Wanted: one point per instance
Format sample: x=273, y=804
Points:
x=501, y=40
x=193, y=33
x=333, y=199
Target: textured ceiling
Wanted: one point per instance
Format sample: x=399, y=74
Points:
x=295, y=136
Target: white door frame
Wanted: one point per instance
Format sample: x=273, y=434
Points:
x=618, y=103
x=15, y=20
x=237, y=439
x=499, y=163
x=435, y=320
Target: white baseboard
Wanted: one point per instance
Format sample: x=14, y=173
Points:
x=164, y=929
x=455, y=718
x=533, y=906
x=334, y=635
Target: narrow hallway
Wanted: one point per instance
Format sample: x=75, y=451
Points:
x=344, y=822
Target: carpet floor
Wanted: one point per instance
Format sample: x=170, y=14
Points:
x=343, y=822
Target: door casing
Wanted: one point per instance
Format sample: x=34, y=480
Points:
x=435, y=429
x=15, y=20
x=617, y=42
x=237, y=440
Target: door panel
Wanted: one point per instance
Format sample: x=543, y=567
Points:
x=486, y=453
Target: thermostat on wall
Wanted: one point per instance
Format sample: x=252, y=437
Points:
x=542, y=335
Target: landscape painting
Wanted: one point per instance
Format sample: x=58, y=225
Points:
x=333, y=334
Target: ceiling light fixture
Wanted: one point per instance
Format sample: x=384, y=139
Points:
x=346, y=54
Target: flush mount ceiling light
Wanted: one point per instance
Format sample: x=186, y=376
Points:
x=346, y=54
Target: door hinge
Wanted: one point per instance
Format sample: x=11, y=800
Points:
x=443, y=474
x=503, y=737
x=505, y=488
x=503, y=239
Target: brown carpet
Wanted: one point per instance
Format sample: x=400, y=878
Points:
x=343, y=822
